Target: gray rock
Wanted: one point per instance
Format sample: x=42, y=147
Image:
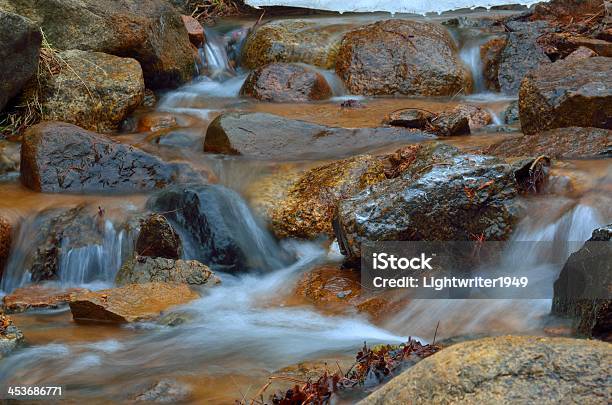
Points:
x=58, y=157
x=506, y=369
x=267, y=136
x=20, y=39
x=521, y=54
x=141, y=269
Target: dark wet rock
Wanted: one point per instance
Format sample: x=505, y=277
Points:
x=218, y=223
x=441, y=195
x=302, y=205
x=286, y=82
x=157, y=238
x=567, y=94
x=517, y=369
x=5, y=242
x=566, y=10
x=130, y=303
x=582, y=290
x=478, y=117
x=267, y=136
x=560, y=143
x=93, y=90
x=38, y=297
x=521, y=54
x=10, y=336
x=150, y=31
x=511, y=114
x=9, y=158
x=581, y=53
x=60, y=157
x=409, y=118
x=166, y=391
x=490, y=54
x=401, y=57
x=141, y=269
x=294, y=41
x=20, y=39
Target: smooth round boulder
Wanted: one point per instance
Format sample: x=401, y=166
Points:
x=506, y=369
x=574, y=93
x=93, y=90
x=401, y=57
x=286, y=82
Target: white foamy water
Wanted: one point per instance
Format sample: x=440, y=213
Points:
x=392, y=6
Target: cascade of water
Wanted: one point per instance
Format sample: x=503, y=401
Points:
x=470, y=56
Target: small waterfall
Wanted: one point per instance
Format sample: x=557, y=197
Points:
x=96, y=262
x=71, y=244
x=470, y=56
x=214, y=56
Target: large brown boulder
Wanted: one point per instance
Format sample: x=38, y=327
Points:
x=286, y=82
x=5, y=242
x=93, y=90
x=142, y=269
x=401, y=57
x=559, y=143
x=157, y=238
x=150, y=31
x=515, y=369
x=575, y=93
x=582, y=291
x=440, y=195
x=294, y=41
x=268, y=136
x=304, y=206
x=59, y=157
x=20, y=40
x=131, y=303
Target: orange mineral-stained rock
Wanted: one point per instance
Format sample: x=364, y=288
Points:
x=38, y=296
x=131, y=303
x=194, y=29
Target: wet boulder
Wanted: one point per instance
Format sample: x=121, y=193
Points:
x=450, y=123
x=220, y=228
x=59, y=157
x=490, y=54
x=518, y=369
x=401, y=57
x=460, y=120
x=440, y=195
x=93, y=90
x=303, y=207
x=10, y=336
x=157, y=238
x=521, y=54
x=20, y=39
x=142, y=269
x=575, y=93
x=5, y=241
x=409, y=118
x=582, y=291
x=293, y=41
x=559, y=143
x=286, y=82
x=150, y=31
x=267, y=136
x=38, y=297
x=194, y=29
x=130, y=303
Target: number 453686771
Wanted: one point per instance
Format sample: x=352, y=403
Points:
x=34, y=391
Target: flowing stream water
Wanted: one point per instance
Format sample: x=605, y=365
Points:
x=237, y=333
